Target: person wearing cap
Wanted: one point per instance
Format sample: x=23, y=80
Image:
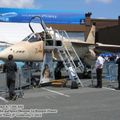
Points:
x=99, y=68
x=10, y=68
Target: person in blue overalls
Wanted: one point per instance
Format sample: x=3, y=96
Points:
x=10, y=68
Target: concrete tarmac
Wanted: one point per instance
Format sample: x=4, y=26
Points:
x=86, y=103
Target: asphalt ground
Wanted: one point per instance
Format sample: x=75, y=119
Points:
x=87, y=103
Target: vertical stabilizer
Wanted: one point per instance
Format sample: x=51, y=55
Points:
x=91, y=35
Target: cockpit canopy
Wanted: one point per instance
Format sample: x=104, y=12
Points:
x=43, y=36
x=34, y=37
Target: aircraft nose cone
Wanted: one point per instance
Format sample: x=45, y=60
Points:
x=19, y=53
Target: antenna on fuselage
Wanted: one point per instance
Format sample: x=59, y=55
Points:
x=41, y=22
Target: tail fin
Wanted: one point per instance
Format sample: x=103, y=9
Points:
x=91, y=35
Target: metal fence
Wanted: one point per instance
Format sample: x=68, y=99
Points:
x=111, y=71
x=109, y=75
x=23, y=79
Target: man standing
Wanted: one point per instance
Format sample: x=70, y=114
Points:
x=10, y=68
x=99, y=68
x=118, y=62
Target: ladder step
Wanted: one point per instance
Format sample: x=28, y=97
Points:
x=58, y=83
x=69, y=65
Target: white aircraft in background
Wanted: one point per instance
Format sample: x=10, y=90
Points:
x=32, y=47
x=8, y=14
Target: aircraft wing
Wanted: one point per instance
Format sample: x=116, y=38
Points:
x=80, y=42
x=107, y=47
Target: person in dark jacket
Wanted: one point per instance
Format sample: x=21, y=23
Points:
x=118, y=62
x=10, y=68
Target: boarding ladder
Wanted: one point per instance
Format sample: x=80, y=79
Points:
x=69, y=64
x=73, y=56
x=70, y=59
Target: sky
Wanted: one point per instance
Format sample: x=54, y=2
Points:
x=103, y=9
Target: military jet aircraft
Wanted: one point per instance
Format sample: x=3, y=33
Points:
x=32, y=48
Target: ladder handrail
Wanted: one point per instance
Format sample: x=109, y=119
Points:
x=82, y=69
x=61, y=37
x=70, y=65
x=74, y=51
x=70, y=56
x=81, y=66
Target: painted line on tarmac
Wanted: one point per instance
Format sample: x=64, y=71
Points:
x=3, y=99
x=59, y=93
x=109, y=88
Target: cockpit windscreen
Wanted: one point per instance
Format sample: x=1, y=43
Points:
x=33, y=37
